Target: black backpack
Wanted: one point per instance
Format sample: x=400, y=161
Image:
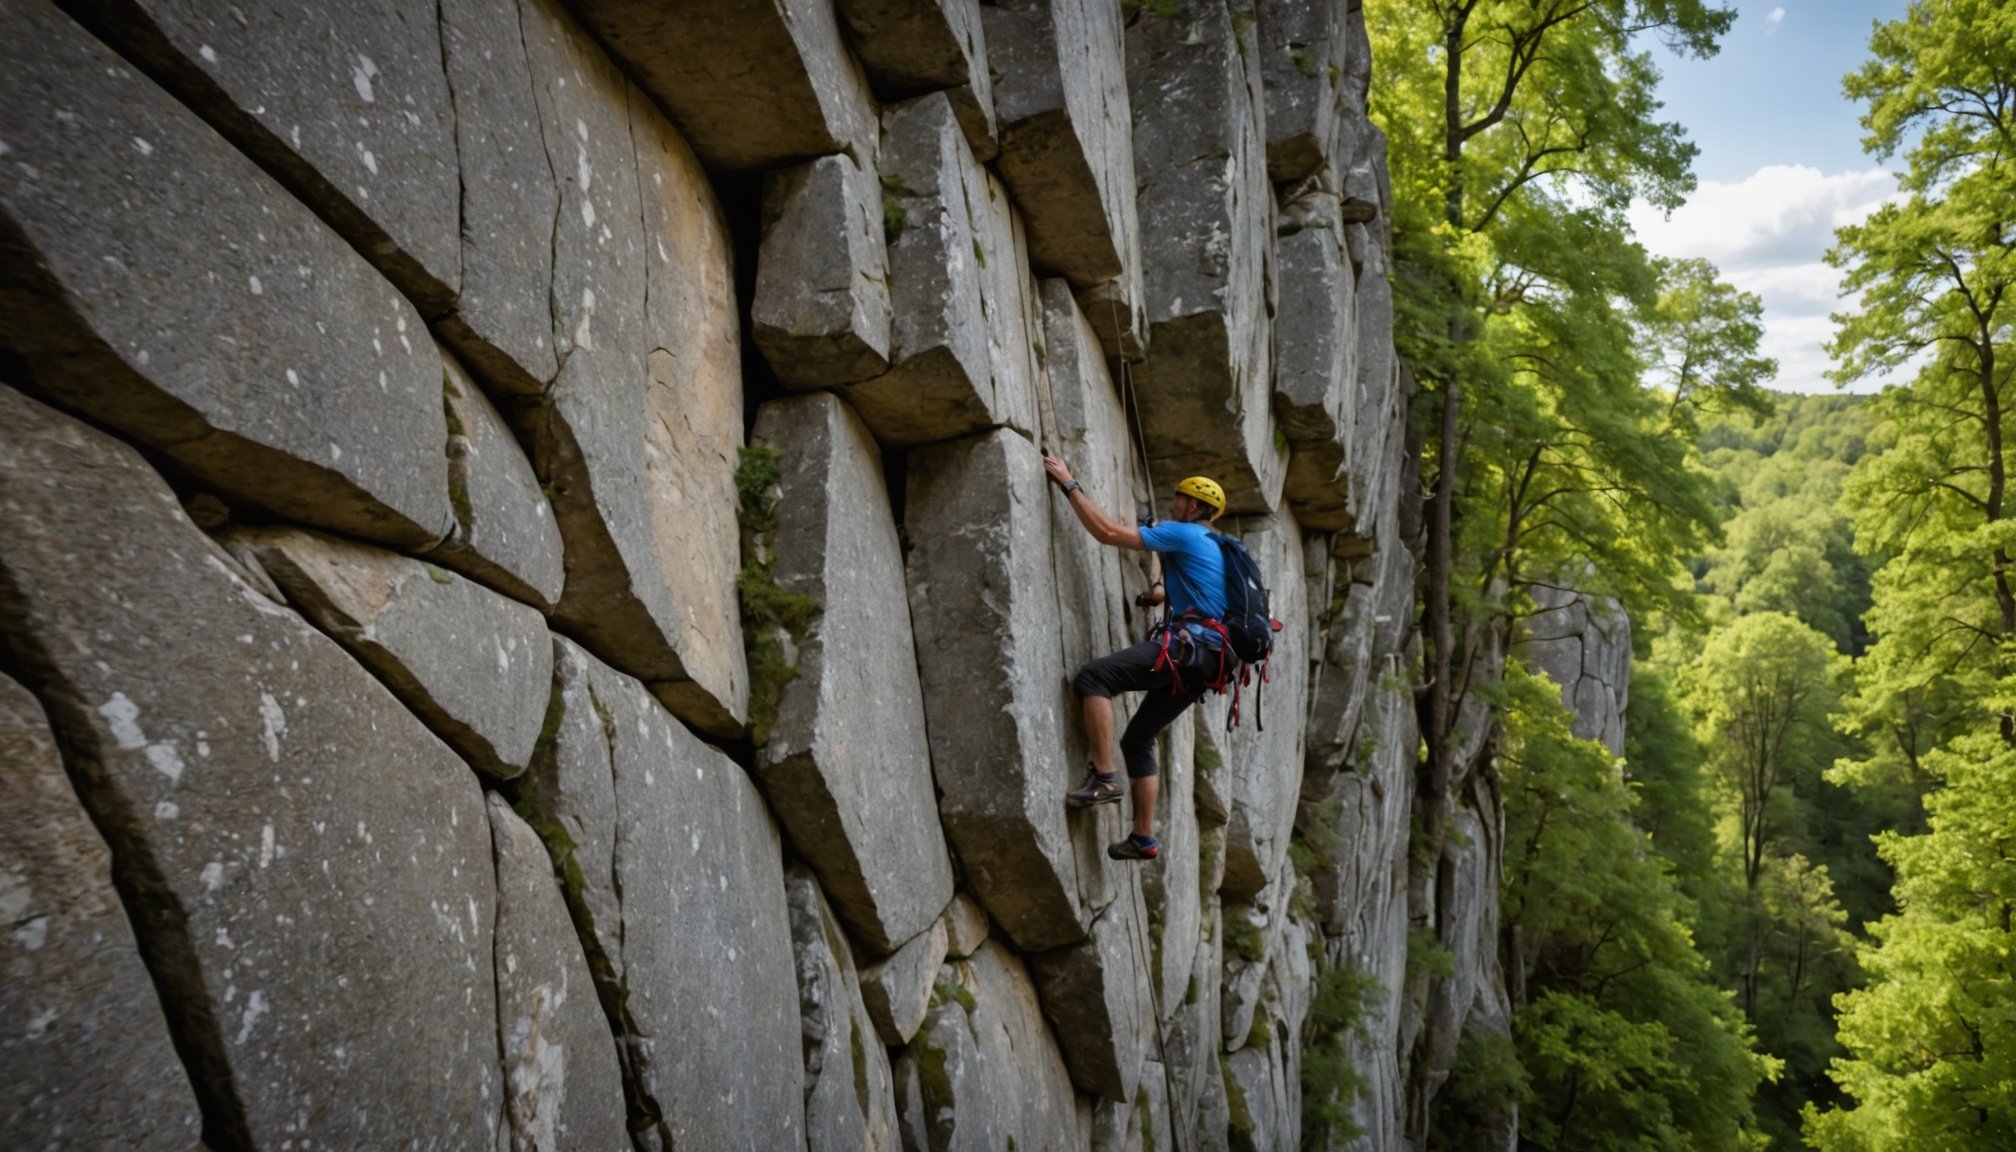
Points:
x=1248, y=624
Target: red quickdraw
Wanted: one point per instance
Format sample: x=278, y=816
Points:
x=1162, y=660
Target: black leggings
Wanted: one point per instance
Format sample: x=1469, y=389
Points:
x=1132, y=669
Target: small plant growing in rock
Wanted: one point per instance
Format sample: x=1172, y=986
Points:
x=1486, y=1082
x=894, y=216
x=1261, y=1034
x=1344, y=1000
x=1243, y=938
x=1425, y=953
x=775, y=621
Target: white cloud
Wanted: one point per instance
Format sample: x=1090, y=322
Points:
x=1772, y=19
x=1768, y=234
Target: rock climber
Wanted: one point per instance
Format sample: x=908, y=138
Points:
x=1174, y=666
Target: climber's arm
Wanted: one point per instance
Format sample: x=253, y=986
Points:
x=1103, y=528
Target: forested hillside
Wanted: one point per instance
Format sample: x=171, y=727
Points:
x=1782, y=917
x=1735, y=730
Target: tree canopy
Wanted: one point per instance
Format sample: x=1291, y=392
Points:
x=1931, y=1039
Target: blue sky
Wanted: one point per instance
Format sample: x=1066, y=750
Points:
x=1781, y=165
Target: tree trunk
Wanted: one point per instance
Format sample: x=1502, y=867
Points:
x=1991, y=409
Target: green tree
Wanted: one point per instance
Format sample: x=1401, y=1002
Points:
x=1703, y=336
x=1623, y=1040
x=1789, y=546
x=1664, y=764
x=1518, y=132
x=1936, y=277
x=1762, y=693
x=1931, y=1040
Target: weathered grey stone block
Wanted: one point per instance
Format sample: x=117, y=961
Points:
x=505, y=535
x=1360, y=827
x=1316, y=372
x=1172, y=890
x=1256, y=1089
x=685, y=921
x=1364, y=195
x=1066, y=149
x=311, y=867
x=1191, y=1040
x=475, y=666
x=348, y=105
x=160, y=283
x=637, y=439
x=1212, y=790
x=1116, y=310
x=821, y=314
x=1258, y=941
x=751, y=84
x=1200, y=160
x=847, y=767
x=1291, y=979
x=1149, y=1125
x=1302, y=50
x=1357, y=83
x=1139, y=1125
x=89, y=1063
x=1263, y=768
x=1377, y=407
x=1096, y=997
x=898, y=990
x=568, y=794
x=1353, y=129
x=1359, y=648
x=961, y=350
x=693, y=436
x=1583, y=644
x=914, y=46
x=985, y=615
x=984, y=1068
x=1088, y=428
x=910, y=1120
x=1474, y=994
x=965, y=926
x=1009, y=297
x=562, y=1086
x=503, y=322
x=850, y=1100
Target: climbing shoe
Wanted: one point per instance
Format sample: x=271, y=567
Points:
x=1097, y=790
x=1135, y=848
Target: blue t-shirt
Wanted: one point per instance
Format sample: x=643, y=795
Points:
x=1193, y=569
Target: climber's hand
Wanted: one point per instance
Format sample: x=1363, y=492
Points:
x=1150, y=598
x=1060, y=472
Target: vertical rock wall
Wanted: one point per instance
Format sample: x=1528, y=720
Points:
x=504, y=644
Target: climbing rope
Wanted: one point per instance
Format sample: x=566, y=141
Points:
x=1132, y=402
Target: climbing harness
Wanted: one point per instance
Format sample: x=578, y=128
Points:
x=1248, y=641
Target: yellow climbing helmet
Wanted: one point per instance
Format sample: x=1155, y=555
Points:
x=1207, y=490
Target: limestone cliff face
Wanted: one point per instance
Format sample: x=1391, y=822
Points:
x=1582, y=643
x=532, y=616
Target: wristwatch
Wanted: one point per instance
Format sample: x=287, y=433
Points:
x=1073, y=486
